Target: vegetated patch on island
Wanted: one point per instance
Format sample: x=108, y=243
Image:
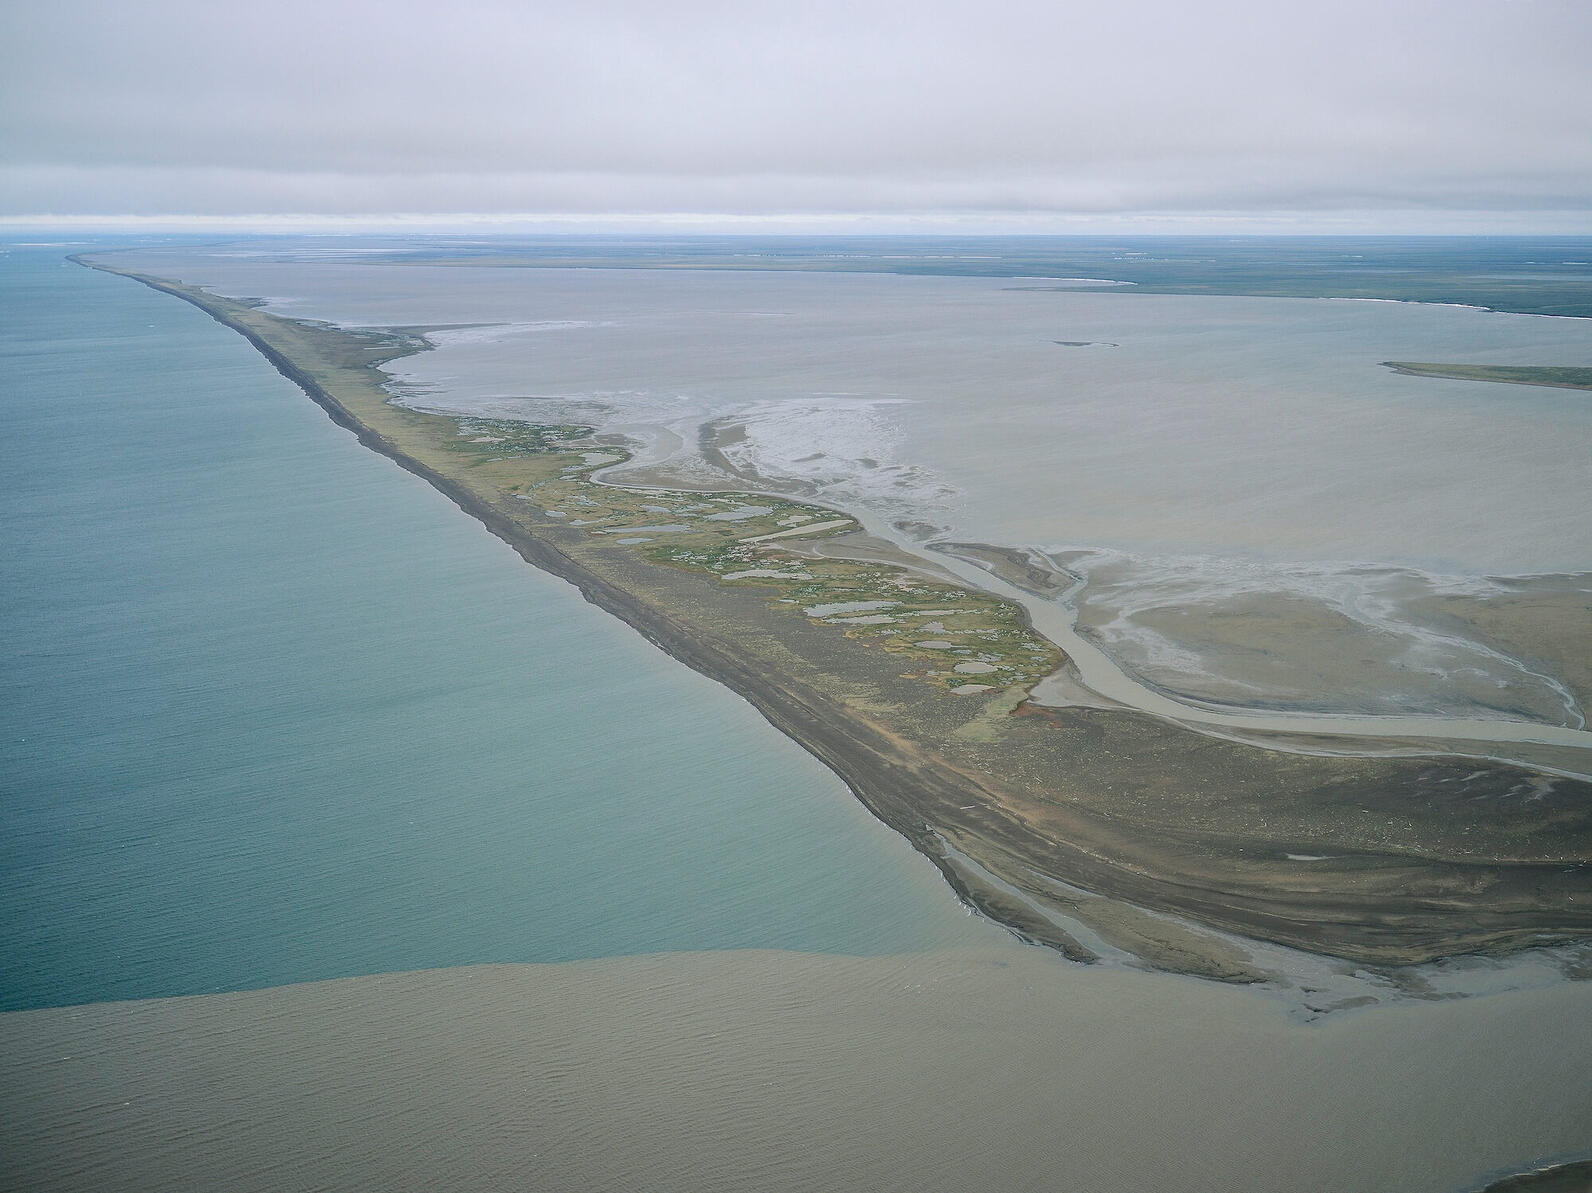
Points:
x=959, y=639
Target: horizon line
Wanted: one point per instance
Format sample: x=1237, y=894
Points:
x=1404, y=222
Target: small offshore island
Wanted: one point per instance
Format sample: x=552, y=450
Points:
x=912, y=686
x=1551, y=376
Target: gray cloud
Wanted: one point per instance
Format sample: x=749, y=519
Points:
x=828, y=107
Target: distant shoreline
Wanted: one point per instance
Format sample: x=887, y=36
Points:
x=1518, y=276
x=1559, y=1178
x=1547, y=376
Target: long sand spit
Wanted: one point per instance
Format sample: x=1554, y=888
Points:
x=1416, y=858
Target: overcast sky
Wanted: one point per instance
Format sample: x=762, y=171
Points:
x=1403, y=115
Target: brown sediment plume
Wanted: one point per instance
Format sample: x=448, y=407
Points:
x=1379, y=860
x=706, y=1072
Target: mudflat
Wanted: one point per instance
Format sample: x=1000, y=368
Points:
x=913, y=689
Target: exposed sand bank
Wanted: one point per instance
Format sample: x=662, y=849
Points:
x=1499, y=678
x=1551, y=376
x=1556, y=1178
x=1558, y=748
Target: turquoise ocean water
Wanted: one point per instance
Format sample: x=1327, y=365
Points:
x=272, y=710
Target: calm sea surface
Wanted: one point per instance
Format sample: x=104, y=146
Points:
x=272, y=710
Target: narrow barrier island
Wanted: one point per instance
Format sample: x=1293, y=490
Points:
x=1083, y=828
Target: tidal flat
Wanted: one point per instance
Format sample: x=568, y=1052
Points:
x=1174, y=837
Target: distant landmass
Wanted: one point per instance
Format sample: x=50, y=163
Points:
x=1549, y=375
x=1523, y=274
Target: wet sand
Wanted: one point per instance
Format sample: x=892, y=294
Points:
x=1510, y=647
x=1001, y=1070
